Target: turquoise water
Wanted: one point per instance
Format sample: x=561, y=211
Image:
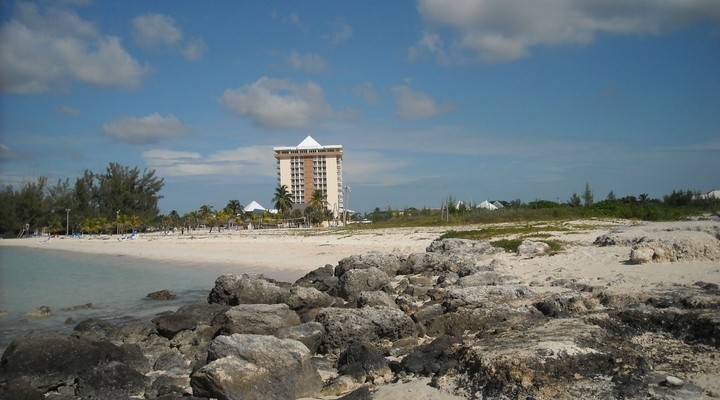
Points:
x=115, y=286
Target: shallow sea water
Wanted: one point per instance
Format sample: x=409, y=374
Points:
x=115, y=286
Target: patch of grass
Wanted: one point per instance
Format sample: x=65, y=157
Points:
x=511, y=245
x=495, y=231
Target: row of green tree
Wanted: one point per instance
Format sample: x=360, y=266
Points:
x=121, y=199
x=120, y=196
x=678, y=204
x=233, y=214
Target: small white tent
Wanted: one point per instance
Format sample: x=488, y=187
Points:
x=254, y=206
x=498, y=204
x=486, y=205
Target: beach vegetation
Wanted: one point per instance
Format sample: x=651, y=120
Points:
x=678, y=205
x=36, y=206
x=283, y=200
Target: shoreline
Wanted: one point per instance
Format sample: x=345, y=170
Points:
x=279, y=254
x=541, y=307
x=288, y=254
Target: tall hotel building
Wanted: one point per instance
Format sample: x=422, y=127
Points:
x=309, y=167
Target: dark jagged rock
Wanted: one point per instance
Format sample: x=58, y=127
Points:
x=169, y=325
x=436, y=357
x=355, y=281
x=50, y=360
x=86, y=306
x=234, y=289
x=691, y=325
x=112, y=380
x=462, y=246
x=344, y=326
x=203, y=312
x=256, y=366
x=362, y=393
x=545, y=362
x=20, y=389
x=322, y=279
x=40, y=312
x=364, y=363
x=96, y=329
x=375, y=299
x=259, y=319
x=307, y=300
x=311, y=334
x=162, y=295
x=389, y=263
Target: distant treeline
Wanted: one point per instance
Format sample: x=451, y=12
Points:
x=676, y=205
x=120, y=197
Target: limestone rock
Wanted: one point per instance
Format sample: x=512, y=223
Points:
x=260, y=319
x=256, y=366
x=162, y=295
x=355, y=281
x=364, y=363
x=234, y=289
x=370, y=324
x=389, y=263
x=169, y=325
x=529, y=249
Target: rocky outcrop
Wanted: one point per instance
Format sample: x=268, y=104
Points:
x=234, y=289
x=256, y=367
x=452, y=315
x=259, y=319
x=369, y=324
x=689, y=242
x=162, y=295
x=356, y=281
x=530, y=248
x=50, y=361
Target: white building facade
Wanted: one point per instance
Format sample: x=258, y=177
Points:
x=310, y=166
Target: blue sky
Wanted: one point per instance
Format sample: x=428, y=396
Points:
x=511, y=99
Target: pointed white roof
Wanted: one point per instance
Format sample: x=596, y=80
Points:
x=487, y=205
x=253, y=206
x=309, y=142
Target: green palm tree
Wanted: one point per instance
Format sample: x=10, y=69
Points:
x=234, y=207
x=283, y=199
x=318, y=200
x=206, y=214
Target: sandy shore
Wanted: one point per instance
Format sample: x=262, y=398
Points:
x=290, y=254
x=279, y=254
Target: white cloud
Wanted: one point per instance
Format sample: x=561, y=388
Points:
x=253, y=160
x=410, y=104
x=308, y=62
x=40, y=49
x=148, y=129
x=194, y=49
x=340, y=32
x=159, y=30
x=274, y=104
x=69, y=111
x=156, y=29
x=367, y=92
x=496, y=31
x=7, y=154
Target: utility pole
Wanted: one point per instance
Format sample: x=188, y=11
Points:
x=346, y=202
x=67, y=221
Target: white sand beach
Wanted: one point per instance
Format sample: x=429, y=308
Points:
x=289, y=254
x=280, y=254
